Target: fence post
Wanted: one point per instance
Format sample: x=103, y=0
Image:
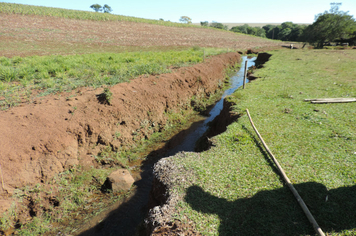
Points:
x=245, y=74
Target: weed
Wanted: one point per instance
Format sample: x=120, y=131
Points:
x=105, y=97
x=117, y=135
x=196, y=48
x=8, y=218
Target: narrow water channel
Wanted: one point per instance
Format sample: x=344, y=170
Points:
x=188, y=144
x=125, y=218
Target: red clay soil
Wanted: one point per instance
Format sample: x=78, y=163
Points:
x=24, y=35
x=44, y=138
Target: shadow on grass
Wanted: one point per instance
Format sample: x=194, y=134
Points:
x=276, y=212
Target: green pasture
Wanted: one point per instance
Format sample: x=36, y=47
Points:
x=235, y=189
x=56, y=73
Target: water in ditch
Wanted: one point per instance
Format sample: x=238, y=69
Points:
x=126, y=217
x=190, y=140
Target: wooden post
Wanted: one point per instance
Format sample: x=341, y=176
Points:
x=245, y=74
x=310, y=217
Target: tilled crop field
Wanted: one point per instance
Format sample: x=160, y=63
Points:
x=23, y=35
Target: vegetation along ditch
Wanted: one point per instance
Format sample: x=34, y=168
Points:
x=234, y=188
x=58, y=182
x=127, y=218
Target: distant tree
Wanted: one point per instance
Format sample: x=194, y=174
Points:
x=204, y=23
x=185, y=19
x=246, y=29
x=260, y=32
x=330, y=26
x=269, y=29
x=218, y=25
x=96, y=7
x=107, y=8
x=235, y=29
x=297, y=32
x=287, y=31
x=161, y=19
x=242, y=28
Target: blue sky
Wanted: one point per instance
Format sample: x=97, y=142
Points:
x=224, y=11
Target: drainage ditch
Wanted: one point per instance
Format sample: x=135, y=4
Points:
x=126, y=217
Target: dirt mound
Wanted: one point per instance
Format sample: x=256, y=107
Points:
x=56, y=132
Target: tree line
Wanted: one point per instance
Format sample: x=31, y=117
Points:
x=329, y=27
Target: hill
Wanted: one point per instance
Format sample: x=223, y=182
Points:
x=26, y=34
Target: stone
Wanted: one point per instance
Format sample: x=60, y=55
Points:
x=119, y=180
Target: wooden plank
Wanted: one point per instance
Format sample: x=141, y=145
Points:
x=330, y=100
x=333, y=101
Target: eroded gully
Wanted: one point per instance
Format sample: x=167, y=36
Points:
x=126, y=217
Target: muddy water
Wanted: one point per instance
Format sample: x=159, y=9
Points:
x=126, y=217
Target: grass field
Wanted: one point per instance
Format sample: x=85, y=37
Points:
x=51, y=74
x=235, y=189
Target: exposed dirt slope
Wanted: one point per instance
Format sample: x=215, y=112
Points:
x=56, y=132
x=23, y=35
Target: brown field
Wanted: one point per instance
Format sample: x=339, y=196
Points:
x=23, y=35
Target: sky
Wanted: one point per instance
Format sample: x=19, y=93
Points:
x=222, y=11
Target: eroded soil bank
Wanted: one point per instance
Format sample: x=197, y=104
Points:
x=57, y=132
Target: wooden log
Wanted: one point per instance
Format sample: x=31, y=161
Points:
x=310, y=217
x=334, y=101
x=330, y=100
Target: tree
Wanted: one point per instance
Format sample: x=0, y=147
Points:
x=107, y=8
x=204, y=23
x=185, y=19
x=297, y=32
x=270, y=31
x=330, y=26
x=219, y=25
x=246, y=29
x=284, y=34
x=235, y=29
x=96, y=7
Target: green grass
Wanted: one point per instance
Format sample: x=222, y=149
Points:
x=235, y=189
x=12, y=8
x=78, y=193
x=51, y=74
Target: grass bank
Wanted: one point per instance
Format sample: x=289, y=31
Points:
x=19, y=76
x=234, y=189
